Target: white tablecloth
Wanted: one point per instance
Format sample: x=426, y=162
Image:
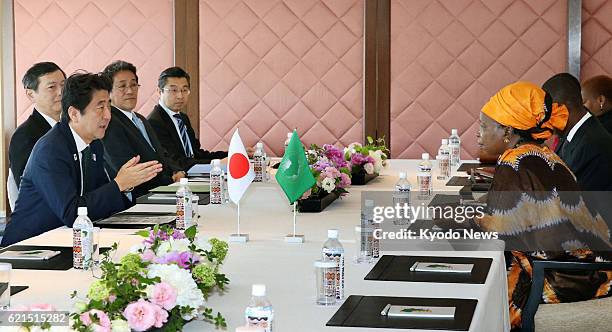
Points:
x=286, y=269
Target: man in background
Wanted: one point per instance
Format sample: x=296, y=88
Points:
x=43, y=84
x=173, y=127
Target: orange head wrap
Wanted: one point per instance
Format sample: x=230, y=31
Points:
x=522, y=106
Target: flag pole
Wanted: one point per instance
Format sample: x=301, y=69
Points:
x=238, y=237
x=294, y=216
x=238, y=217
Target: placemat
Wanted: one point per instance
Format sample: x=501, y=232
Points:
x=61, y=262
x=364, y=311
x=397, y=268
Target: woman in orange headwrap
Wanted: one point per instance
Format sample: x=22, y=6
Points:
x=534, y=203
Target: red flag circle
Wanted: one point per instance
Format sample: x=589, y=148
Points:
x=238, y=165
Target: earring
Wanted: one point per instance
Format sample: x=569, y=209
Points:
x=506, y=140
x=601, y=107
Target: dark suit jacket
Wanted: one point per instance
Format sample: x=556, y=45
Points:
x=606, y=120
x=51, y=187
x=169, y=138
x=589, y=156
x=123, y=141
x=23, y=140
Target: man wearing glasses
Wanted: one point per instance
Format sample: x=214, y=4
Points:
x=172, y=127
x=129, y=134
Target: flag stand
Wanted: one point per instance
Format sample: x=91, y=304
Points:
x=239, y=238
x=294, y=238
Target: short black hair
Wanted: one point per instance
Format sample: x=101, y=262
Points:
x=79, y=89
x=30, y=79
x=116, y=66
x=564, y=89
x=171, y=72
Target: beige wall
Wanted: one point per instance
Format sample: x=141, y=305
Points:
x=2, y=110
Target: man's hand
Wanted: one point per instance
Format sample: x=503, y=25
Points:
x=133, y=173
x=176, y=177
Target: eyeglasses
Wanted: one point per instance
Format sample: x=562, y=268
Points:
x=175, y=91
x=123, y=87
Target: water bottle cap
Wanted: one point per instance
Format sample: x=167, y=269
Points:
x=425, y=156
x=258, y=290
x=325, y=264
x=259, y=145
x=216, y=162
x=402, y=175
x=453, y=131
x=332, y=233
x=369, y=202
x=184, y=181
x=82, y=211
x=445, y=141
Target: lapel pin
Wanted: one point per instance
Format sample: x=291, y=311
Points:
x=93, y=156
x=75, y=157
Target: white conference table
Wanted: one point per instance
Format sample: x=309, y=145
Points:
x=286, y=269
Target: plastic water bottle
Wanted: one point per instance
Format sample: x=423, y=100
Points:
x=424, y=175
x=184, y=213
x=82, y=240
x=443, y=159
x=454, y=143
x=401, y=197
x=365, y=231
x=259, y=313
x=216, y=182
x=289, y=135
x=333, y=251
x=259, y=163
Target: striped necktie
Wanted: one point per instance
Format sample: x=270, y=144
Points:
x=184, y=137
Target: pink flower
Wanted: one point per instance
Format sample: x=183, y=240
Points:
x=345, y=180
x=112, y=298
x=140, y=315
x=103, y=324
x=164, y=295
x=161, y=316
x=42, y=307
x=148, y=255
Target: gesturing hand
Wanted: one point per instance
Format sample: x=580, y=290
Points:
x=133, y=173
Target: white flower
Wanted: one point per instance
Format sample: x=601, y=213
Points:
x=328, y=184
x=137, y=247
x=173, y=245
x=378, y=162
x=188, y=293
x=120, y=325
x=352, y=146
x=202, y=243
x=369, y=168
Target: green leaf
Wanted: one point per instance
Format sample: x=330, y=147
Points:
x=370, y=140
x=191, y=232
x=143, y=233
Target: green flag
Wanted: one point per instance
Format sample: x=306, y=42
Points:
x=294, y=174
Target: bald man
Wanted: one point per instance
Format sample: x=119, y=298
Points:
x=597, y=97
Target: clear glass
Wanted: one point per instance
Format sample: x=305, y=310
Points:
x=5, y=285
x=326, y=284
x=195, y=209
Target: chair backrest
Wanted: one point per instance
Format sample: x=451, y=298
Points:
x=12, y=190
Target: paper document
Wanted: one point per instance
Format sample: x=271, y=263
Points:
x=441, y=267
x=38, y=255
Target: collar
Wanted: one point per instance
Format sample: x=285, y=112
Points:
x=80, y=143
x=572, y=132
x=130, y=115
x=170, y=112
x=49, y=119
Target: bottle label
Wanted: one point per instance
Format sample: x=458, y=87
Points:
x=424, y=183
x=82, y=248
x=258, y=168
x=455, y=152
x=444, y=165
x=216, y=189
x=260, y=317
x=401, y=198
x=337, y=255
x=184, y=215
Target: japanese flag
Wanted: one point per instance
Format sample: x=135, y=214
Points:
x=240, y=173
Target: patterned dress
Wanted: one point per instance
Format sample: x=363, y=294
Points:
x=535, y=206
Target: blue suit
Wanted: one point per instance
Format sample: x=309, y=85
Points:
x=51, y=186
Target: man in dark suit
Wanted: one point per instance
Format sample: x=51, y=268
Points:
x=597, y=97
x=67, y=166
x=129, y=134
x=43, y=84
x=172, y=127
x=585, y=145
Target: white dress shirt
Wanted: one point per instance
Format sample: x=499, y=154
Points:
x=49, y=119
x=80, y=145
x=171, y=114
x=574, y=129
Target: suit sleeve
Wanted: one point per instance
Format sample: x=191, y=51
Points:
x=116, y=151
x=20, y=149
x=165, y=157
x=52, y=176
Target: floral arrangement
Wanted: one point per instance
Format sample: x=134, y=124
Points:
x=329, y=168
x=369, y=158
x=163, y=282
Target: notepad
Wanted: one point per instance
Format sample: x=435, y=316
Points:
x=441, y=267
x=166, y=197
x=37, y=255
x=195, y=188
x=418, y=312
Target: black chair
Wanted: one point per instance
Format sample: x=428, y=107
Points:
x=537, y=286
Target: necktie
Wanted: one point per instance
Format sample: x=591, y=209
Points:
x=142, y=129
x=86, y=165
x=184, y=137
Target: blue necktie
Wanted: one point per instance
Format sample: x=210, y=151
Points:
x=184, y=137
x=142, y=129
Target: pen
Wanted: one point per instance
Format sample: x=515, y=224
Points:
x=385, y=310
